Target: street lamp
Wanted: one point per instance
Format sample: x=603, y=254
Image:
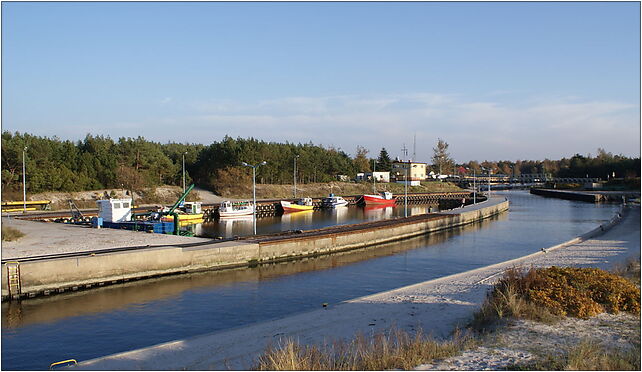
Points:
x=254, y=190
x=24, y=184
x=405, y=190
x=489, y=170
x=295, y=175
x=474, y=187
x=185, y=153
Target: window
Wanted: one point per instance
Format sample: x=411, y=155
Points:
x=116, y=205
x=125, y=205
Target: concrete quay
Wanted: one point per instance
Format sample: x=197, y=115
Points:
x=47, y=274
x=587, y=196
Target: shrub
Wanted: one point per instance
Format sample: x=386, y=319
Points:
x=542, y=294
x=10, y=234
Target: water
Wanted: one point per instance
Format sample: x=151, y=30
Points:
x=306, y=220
x=108, y=320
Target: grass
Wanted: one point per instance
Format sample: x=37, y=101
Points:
x=394, y=349
x=588, y=355
x=10, y=234
x=630, y=270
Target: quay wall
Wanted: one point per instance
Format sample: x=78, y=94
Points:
x=43, y=276
x=569, y=195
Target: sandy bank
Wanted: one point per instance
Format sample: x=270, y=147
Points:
x=437, y=306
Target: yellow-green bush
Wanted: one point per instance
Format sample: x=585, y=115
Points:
x=578, y=292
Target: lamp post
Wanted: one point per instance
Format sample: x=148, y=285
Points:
x=295, y=175
x=185, y=153
x=480, y=186
x=405, y=191
x=254, y=190
x=474, y=186
x=24, y=183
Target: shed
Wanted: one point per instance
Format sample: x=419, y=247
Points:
x=115, y=210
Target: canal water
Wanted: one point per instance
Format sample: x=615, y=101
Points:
x=107, y=320
x=307, y=220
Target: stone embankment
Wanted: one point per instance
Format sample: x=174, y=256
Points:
x=43, y=275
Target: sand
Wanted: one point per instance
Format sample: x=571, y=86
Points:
x=43, y=238
x=436, y=306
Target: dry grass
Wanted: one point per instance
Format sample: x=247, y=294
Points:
x=391, y=350
x=630, y=270
x=588, y=355
x=10, y=234
x=547, y=293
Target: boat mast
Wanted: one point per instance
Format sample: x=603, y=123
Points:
x=374, y=180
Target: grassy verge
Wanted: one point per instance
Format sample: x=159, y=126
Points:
x=588, y=355
x=395, y=349
x=10, y=234
x=545, y=295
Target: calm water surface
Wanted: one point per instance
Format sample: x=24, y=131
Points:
x=113, y=319
x=306, y=220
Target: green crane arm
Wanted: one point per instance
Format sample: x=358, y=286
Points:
x=171, y=210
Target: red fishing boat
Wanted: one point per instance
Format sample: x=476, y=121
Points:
x=384, y=198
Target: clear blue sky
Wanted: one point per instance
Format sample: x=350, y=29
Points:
x=495, y=80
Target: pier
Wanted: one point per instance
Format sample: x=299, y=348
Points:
x=268, y=208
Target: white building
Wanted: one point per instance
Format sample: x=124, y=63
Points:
x=115, y=210
x=383, y=177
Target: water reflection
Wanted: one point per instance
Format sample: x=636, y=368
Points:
x=306, y=220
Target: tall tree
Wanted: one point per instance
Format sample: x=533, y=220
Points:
x=384, y=164
x=441, y=159
x=361, y=161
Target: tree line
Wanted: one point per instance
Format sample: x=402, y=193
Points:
x=99, y=162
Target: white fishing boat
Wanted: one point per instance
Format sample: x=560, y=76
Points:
x=229, y=209
x=333, y=201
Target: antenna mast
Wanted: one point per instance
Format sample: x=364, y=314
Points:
x=414, y=148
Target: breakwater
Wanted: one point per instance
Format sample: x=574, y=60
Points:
x=30, y=277
x=592, y=196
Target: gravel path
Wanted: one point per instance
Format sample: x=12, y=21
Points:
x=436, y=306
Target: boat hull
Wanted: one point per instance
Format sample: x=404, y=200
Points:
x=378, y=200
x=183, y=217
x=235, y=214
x=292, y=207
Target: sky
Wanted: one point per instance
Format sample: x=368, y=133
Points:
x=496, y=81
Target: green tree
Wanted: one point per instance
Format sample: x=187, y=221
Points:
x=441, y=158
x=384, y=163
x=361, y=161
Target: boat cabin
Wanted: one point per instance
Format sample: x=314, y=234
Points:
x=193, y=207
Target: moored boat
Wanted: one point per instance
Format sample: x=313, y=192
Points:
x=384, y=198
x=304, y=204
x=229, y=209
x=333, y=201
